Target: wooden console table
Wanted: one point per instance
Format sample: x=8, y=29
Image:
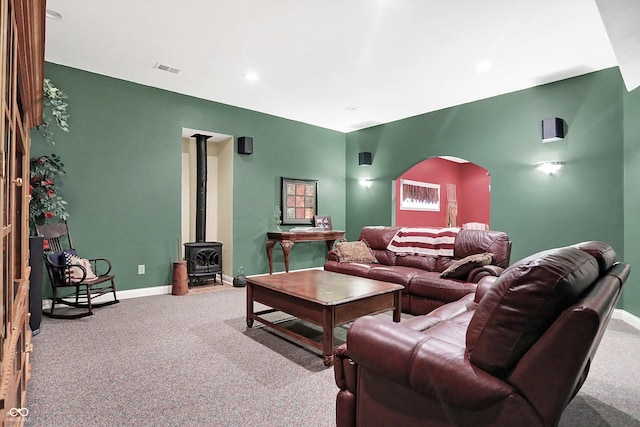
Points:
x=286, y=239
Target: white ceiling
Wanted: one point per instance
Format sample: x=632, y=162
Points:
x=339, y=64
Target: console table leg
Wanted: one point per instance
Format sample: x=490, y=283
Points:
x=270, y=244
x=330, y=244
x=286, y=248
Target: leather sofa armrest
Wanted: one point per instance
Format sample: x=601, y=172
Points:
x=487, y=270
x=483, y=286
x=332, y=255
x=345, y=369
x=422, y=362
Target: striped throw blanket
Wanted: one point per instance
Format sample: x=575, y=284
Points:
x=424, y=241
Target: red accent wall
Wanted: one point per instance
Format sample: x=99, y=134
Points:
x=474, y=194
x=472, y=188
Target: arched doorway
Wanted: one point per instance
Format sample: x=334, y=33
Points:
x=443, y=192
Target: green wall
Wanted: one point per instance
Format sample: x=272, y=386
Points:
x=123, y=180
x=123, y=169
x=584, y=201
x=631, y=301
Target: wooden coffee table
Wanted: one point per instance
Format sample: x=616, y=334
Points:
x=321, y=297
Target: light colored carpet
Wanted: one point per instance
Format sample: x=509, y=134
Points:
x=190, y=361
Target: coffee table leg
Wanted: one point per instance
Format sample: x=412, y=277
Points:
x=397, y=301
x=328, y=325
x=249, y=289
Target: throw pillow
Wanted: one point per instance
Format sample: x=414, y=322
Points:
x=71, y=260
x=461, y=268
x=358, y=251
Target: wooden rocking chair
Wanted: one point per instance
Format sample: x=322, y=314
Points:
x=66, y=271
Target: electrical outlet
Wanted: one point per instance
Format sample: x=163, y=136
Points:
x=141, y=269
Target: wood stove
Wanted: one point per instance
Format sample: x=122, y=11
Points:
x=204, y=259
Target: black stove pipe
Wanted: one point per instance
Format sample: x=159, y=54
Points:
x=201, y=186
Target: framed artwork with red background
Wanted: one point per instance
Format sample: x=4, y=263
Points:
x=299, y=201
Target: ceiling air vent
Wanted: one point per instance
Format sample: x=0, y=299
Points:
x=166, y=68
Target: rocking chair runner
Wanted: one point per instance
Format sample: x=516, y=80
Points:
x=65, y=275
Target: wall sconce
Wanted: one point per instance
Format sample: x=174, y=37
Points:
x=549, y=167
x=364, y=158
x=552, y=130
x=366, y=182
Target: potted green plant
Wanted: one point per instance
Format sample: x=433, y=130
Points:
x=46, y=202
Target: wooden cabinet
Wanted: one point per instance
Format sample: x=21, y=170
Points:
x=21, y=91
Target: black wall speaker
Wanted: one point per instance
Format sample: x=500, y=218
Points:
x=364, y=158
x=245, y=145
x=552, y=129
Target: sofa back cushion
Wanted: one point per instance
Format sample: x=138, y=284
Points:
x=469, y=242
x=378, y=238
x=523, y=302
x=427, y=263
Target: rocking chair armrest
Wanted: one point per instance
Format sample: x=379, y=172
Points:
x=94, y=261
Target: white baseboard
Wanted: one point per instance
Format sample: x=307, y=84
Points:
x=626, y=317
x=136, y=293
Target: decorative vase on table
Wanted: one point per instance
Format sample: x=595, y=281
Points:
x=277, y=214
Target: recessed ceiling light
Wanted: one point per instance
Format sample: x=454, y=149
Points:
x=53, y=14
x=250, y=76
x=482, y=66
x=351, y=107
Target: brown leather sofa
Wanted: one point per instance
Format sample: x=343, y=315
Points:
x=513, y=354
x=424, y=289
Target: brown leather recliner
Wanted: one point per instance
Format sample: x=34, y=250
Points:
x=513, y=354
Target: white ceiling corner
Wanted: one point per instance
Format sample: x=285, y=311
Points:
x=621, y=19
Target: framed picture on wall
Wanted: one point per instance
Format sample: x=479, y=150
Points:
x=299, y=200
x=323, y=221
x=419, y=196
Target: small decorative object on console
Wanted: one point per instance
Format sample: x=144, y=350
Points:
x=277, y=215
x=305, y=229
x=323, y=222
